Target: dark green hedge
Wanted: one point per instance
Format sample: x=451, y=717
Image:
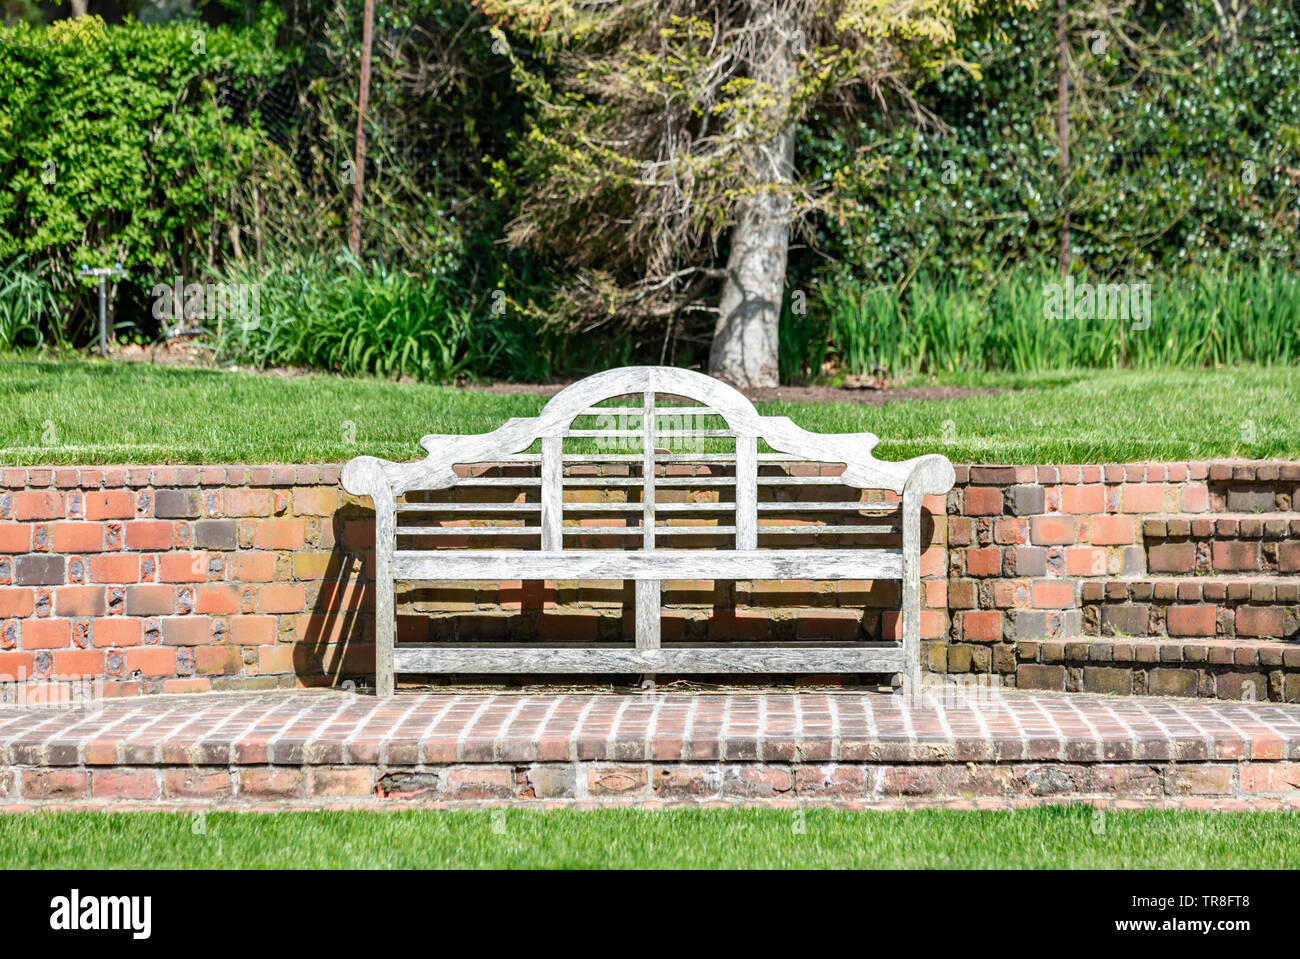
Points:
x=1184, y=152
x=116, y=145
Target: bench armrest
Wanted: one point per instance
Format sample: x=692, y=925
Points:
x=929, y=475
x=366, y=476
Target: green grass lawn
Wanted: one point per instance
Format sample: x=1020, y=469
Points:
x=1051, y=837
x=71, y=412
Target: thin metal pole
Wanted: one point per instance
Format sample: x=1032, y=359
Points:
x=363, y=100
x=103, y=319
x=1063, y=133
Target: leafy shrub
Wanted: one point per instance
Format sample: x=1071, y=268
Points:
x=116, y=145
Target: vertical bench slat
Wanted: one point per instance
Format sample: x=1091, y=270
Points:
x=552, y=492
x=647, y=590
x=647, y=613
x=747, y=492
x=648, y=469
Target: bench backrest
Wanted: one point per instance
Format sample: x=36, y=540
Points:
x=647, y=434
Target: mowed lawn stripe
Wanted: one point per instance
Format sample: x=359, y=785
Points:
x=1048, y=837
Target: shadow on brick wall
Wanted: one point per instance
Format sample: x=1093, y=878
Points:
x=335, y=641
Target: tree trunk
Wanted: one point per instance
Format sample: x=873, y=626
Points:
x=78, y=8
x=745, y=340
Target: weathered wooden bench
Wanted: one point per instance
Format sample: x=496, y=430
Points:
x=765, y=516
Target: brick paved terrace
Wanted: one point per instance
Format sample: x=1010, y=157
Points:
x=286, y=749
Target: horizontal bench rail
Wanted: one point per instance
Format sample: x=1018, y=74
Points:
x=636, y=506
x=648, y=564
x=551, y=659
x=660, y=480
x=659, y=457
x=660, y=530
x=636, y=530
x=656, y=433
x=639, y=411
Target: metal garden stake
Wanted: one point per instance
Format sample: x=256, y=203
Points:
x=102, y=272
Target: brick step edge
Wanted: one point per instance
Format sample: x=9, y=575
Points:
x=1255, y=589
x=1231, y=525
x=1249, y=486
x=1185, y=781
x=1202, y=668
x=1204, y=607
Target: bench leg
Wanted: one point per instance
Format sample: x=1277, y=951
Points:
x=365, y=476
x=385, y=633
x=911, y=652
x=647, y=621
x=911, y=611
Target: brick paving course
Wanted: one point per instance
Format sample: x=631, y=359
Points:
x=313, y=728
x=314, y=749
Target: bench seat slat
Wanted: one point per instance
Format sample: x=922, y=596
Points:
x=551, y=659
x=649, y=564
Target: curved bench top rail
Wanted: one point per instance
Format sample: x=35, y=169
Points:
x=922, y=475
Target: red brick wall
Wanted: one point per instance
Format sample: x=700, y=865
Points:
x=178, y=578
x=1169, y=578
x=1022, y=538
x=182, y=579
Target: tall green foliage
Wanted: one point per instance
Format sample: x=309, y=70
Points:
x=335, y=312
x=27, y=304
x=941, y=324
